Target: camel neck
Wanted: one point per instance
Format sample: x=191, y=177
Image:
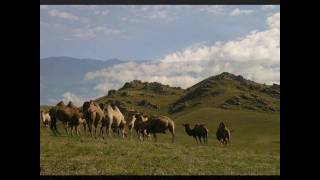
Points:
x=188, y=131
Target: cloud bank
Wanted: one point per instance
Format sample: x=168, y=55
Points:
x=68, y=96
x=63, y=15
x=238, y=12
x=255, y=56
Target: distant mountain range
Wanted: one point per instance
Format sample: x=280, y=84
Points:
x=65, y=74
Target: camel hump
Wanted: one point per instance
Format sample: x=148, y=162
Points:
x=61, y=104
x=71, y=105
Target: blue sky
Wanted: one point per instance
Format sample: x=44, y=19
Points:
x=179, y=45
x=138, y=32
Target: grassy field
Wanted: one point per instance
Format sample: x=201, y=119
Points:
x=255, y=149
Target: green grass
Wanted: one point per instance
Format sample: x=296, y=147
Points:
x=255, y=149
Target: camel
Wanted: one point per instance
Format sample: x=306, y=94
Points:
x=45, y=118
x=133, y=124
x=114, y=116
x=94, y=115
x=68, y=115
x=76, y=125
x=199, y=131
x=223, y=134
x=156, y=125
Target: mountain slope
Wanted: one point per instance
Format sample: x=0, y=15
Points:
x=229, y=91
x=224, y=91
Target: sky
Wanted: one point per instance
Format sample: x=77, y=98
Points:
x=141, y=32
x=180, y=45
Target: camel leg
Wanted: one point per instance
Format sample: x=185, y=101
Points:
x=52, y=127
x=90, y=128
x=95, y=131
x=195, y=137
x=109, y=129
x=122, y=132
x=101, y=131
x=143, y=134
x=72, y=127
x=66, y=127
x=140, y=135
x=77, y=128
x=131, y=133
x=206, y=138
x=104, y=129
x=84, y=128
x=155, y=137
x=173, y=135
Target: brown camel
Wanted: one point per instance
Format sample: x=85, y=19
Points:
x=133, y=124
x=223, y=134
x=156, y=125
x=68, y=115
x=94, y=115
x=199, y=131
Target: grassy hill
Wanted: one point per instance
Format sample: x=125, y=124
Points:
x=251, y=110
x=229, y=91
x=225, y=91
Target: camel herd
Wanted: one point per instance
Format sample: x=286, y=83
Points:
x=110, y=119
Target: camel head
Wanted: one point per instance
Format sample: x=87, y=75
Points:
x=131, y=119
x=85, y=106
x=186, y=125
x=61, y=104
x=222, y=125
x=141, y=117
x=70, y=104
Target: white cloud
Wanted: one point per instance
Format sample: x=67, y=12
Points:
x=160, y=13
x=68, y=96
x=213, y=9
x=238, y=12
x=101, y=12
x=268, y=7
x=64, y=15
x=93, y=32
x=255, y=56
x=274, y=21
